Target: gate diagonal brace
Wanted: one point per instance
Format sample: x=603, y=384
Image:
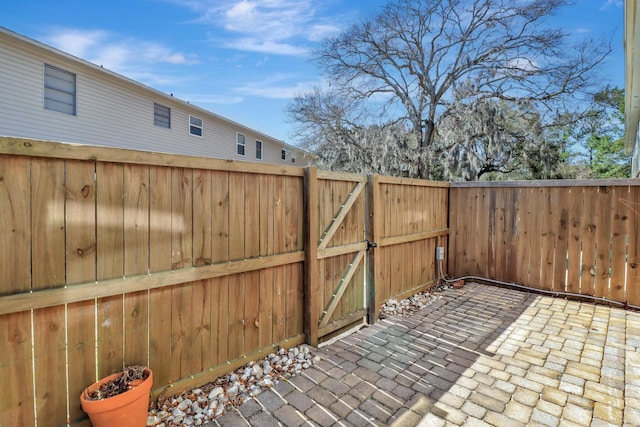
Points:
x=340, y=215
x=342, y=286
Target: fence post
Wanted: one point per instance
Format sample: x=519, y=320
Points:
x=311, y=279
x=372, y=233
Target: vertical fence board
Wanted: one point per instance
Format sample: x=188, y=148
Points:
x=251, y=216
x=574, y=199
x=603, y=232
x=181, y=218
x=50, y=363
x=220, y=220
x=267, y=187
x=15, y=262
x=482, y=244
x=278, y=215
x=214, y=315
x=588, y=239
x=252, y=310
x=47, y=222
x=619, y=221
x=293, y=318
x=110, y=331
x=80, y=199
x=136, y=328
x=512, y=233
x=80, y=353
x=110, y=220
x=181, y=331
x=537, y=212
x=221, y=285
x=160, y=260
x=454, y=216
x=265, y=316
x=201, y=321
x=496, y=233
x=160, y=334
x=548, y=238
x=278, y=303
x=16, y=376
x=159, y=219
x=633, y=266
x=136, y=220
x=236, y=316
x=562, y=234
x=525, y=226
x=202, y=218
x=236, y=216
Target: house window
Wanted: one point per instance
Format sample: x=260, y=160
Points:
x=240, y=143
x=293, y=159
x=195, y=126
x=59, y=90
x=259, y=150
x=283, y=154
x=161, y=116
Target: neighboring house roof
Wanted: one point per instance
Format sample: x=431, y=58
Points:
x=144, y=87
x=632, y=81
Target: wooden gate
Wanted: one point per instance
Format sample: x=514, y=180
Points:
x=336, y=273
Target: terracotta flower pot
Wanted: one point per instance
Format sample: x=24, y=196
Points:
x=128, y=409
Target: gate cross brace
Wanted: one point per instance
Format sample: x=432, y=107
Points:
x=342, y=286
x=342, y=213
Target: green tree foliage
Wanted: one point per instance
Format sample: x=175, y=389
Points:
x=602, y=136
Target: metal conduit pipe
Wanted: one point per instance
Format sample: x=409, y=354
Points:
x=544, y=291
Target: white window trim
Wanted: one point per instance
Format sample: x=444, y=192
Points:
x=201, y=127
x=244, y=144
x=283, y=154
x=261, y=150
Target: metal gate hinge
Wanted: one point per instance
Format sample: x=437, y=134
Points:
x=371, y=245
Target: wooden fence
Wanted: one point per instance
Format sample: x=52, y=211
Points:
x=581, y=237
x=409, y=222
x=191, y=266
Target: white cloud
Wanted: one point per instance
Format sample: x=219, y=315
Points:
x=266, y=46
x=114, y=52
x=612, y=3
x=278, y=86
x=213, y=99
x=282, y=27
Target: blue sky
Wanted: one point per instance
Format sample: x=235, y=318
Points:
x=242, y=59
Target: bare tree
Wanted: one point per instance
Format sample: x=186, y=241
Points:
x=409, y=60
x=487, y=137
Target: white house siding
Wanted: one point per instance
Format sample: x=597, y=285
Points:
x=110, y=110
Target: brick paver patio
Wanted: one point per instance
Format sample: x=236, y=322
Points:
x=478, y=356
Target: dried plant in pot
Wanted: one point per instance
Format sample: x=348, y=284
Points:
x=121, y=399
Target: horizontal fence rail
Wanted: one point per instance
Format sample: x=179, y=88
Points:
x=568, y=236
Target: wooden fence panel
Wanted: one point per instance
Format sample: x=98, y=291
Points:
x=412, y=221
x=198, y=270
x=566, y=236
